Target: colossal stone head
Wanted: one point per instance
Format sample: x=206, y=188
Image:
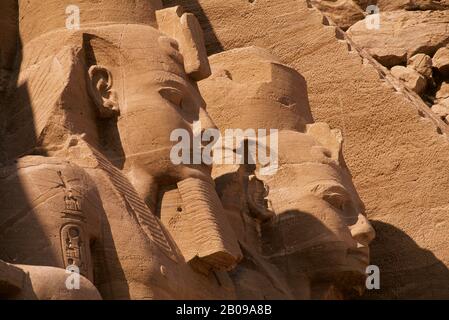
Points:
x=319, y=228
x=312, y=222
x=147, y=94
x=125, y=80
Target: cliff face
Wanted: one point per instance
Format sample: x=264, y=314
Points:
x=398, y=156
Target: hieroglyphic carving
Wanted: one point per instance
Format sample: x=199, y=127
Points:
x=72, y=203
x=74, y=247
x=74, y=243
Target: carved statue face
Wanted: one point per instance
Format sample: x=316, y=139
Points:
x=319, y=218
x=154, y=97
x=141, y=87
x=324, y=213
x=312, y=219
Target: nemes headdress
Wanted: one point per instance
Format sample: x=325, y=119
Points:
x=40, y=17
x=40, y=20
x=56, y=57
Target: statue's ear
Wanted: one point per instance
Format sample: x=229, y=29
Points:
x=101, y=91
x=258, y=205
x=185, y=28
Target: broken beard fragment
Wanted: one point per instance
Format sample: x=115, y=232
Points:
x=196, y=219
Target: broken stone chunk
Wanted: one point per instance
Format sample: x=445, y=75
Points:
x=422, y=63
x=441, y=60
x=412, y=79
x=391, y=5
x=443, y=91
x=440, y=110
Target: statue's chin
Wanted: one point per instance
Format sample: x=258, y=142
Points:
x=340, y=284
x=335, y=263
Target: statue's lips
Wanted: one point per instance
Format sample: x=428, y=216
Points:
x=160, y=157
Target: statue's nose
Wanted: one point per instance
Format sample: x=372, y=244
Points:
x=362, y=231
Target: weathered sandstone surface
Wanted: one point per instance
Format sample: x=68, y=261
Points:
x=398, y=159
x=109, y=176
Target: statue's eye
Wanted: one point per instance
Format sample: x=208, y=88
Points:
x=334, y=194
x=336, y=200
x=287, y=102
x=344, y=204
x=173, y=95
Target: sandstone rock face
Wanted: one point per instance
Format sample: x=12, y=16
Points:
x=395, y=155
x=109, y=176
x=391, y=5
x=105, y=182
x=344, y=13
x=412, y=78
x=441, y=60
x=403, y=34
